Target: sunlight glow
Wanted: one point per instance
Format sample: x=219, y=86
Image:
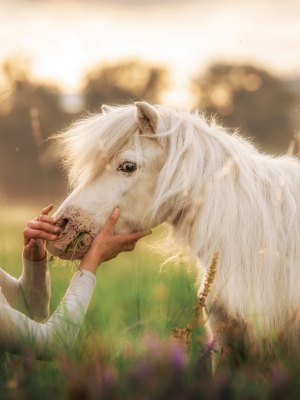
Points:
x=184, y=36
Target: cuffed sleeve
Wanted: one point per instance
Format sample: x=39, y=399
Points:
x=35, y=287
x=59, y=333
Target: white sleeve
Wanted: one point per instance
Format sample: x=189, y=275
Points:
x=31, y=292
x=18, y=332
x=35, y=286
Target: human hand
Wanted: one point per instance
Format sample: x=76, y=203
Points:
x=36, y=232
x=108, y=245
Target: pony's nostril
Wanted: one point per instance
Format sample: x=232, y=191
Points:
x=62, y=223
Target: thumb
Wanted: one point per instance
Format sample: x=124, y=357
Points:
x=112, y=220
x=46, y=210
x=29, y=243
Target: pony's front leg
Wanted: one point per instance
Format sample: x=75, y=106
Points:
x=228, y=338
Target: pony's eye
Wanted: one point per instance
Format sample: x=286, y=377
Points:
x=127, y=166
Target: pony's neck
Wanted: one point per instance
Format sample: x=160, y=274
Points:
x=222, y=178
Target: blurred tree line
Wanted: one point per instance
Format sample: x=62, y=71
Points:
x=261, y=105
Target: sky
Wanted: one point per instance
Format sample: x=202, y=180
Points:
x=62, y=39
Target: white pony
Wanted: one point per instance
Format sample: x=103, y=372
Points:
x=217, y=192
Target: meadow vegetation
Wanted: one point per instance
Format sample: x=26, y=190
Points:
x=127, y=348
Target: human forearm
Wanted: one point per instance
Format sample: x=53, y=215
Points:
x=31, y=292
x=59, y=333
x=34, y=283
x=35, y=287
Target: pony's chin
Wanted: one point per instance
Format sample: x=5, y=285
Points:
x=75, y=250
x=68, y=255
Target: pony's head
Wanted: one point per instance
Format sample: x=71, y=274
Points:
x=131, y=157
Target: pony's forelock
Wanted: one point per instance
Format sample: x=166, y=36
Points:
x=89, y=144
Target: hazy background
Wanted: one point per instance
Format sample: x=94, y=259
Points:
x=239, y=60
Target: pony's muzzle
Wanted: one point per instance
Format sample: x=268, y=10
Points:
x=63, y=223
x=76, y=236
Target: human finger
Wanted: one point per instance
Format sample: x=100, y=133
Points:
x=112, y=220
x=44, y=226
x=129, y=246
x=47, y=209
x=133, y=237
x=34, y=250
x=35, y=244
x=48, y=219
x=30, y=233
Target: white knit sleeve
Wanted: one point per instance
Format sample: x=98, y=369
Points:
x=58, y=334
x=35, y=287
x=31, y=292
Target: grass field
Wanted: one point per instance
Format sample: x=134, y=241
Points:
x=125, y=350
x=133, y=299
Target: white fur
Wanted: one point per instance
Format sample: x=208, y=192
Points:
x=219, y=193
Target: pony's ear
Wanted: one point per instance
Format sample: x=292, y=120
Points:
x=147, y=116
x=106, y=109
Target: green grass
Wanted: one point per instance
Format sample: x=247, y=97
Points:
x=132, y=297
x=124, y=349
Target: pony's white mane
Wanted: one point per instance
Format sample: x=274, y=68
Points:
x=220, y=195
x=89, y=144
